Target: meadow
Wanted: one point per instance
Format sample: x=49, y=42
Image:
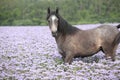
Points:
x=30, y=53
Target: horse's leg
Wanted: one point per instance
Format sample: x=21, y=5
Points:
x=109, y=53
x=113, y=53
x=69, y=57
x=63, y=55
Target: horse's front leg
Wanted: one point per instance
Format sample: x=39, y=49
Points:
x=68, y=58
x=63, y=55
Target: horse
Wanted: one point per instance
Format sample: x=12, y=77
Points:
x=73, y=42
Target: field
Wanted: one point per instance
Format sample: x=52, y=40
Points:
x=30, y=53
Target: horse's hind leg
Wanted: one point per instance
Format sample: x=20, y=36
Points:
x=113, y=53
x=109, y=52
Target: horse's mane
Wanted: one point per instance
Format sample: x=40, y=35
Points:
x=65, y=28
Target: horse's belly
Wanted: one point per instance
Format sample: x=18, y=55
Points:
x=86, y=54
x=89, y=51
x=83, y=55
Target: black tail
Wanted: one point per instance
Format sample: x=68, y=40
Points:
x=118, y=26
x=117, y=39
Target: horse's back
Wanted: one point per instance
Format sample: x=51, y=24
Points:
x=107, y=32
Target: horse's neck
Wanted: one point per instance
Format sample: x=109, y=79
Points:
x=60, y=37
x=65, y=29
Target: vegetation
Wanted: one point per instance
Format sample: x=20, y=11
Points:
x=33, y=12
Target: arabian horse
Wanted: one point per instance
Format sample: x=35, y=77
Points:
x=73, y=42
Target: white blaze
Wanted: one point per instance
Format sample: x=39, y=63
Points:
x=53, y=26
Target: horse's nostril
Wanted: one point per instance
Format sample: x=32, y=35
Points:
x=54, y=34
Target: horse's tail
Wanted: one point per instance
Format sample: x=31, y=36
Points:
x=118, y=26
x=116, y=40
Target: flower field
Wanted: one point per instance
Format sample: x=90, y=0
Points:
x=30, y=53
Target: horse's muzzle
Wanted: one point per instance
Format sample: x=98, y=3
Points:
x=54, y=34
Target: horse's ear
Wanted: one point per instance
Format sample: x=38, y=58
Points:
x=48, y=10
x=57, y=10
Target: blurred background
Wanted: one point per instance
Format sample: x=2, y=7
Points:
x=33, y=12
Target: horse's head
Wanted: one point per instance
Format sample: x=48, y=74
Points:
x=52, y=19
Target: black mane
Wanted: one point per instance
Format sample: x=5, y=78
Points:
x=63, y=26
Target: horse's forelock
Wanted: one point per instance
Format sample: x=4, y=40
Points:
x=52, y=13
